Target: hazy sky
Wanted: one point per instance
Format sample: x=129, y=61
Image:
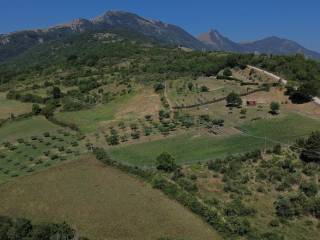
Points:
x=240, y=20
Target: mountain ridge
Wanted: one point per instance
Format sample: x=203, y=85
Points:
x=269, y=45
x=15, y=43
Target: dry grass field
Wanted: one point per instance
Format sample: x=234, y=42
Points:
x=11, y=106
x=101, y=203
x=144, y=103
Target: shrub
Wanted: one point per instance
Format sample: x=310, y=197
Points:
x=113, y=139
x=314, y=207
x=135, y=134
x=237, y=208
x=227, y=72
x=272, y=236
x=204, y=89
x=289, y=207
x=20, y=228
x=46, y=134
x=166, y=162
x=274, y=223
x=234, y=100
x=61, y=149
x=147, y=131
x=309, y=188
x=187, y=184
x=190, y=86
x=311, y=150
x=148, y=117
x=36, y=109
x=274, y=107
x=158, y=86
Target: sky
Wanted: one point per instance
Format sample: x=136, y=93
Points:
x=239, y=20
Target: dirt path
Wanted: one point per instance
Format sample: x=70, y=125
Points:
x=315, y=99
x=269, y=74
x=167, y=98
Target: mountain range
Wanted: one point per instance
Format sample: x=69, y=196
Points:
x=13, y=44
x=270, y=45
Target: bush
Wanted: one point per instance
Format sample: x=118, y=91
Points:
x=20, y=228
x=187, y=184
x=204, y=89
x=46, y=134
x=113, y=139
x=227, y=72
x=274, y=107
x=274, y=223
x=36, y=109
x=166, y=162
x=158, y=87
x=272, y=236
x=311, y=150
x=70, y=105
x=237, y=208
x=288, y=207
x=135, y=134
x=309, y=188
x=234, y=100
x=314, y=207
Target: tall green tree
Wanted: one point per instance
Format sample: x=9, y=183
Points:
x=56, y=92
x=311, y=150
x=274, y=107
x=234, y=100
x=166, y=162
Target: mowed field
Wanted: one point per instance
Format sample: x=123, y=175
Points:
x=193, y=147
x=101, y=203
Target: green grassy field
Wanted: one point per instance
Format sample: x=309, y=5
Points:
x=192, y=147
x=91, y=119
x=186, y=148
x=284, y=129
x=26, y=128
x=101, y=203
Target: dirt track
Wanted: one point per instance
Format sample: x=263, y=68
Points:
x=315, y=99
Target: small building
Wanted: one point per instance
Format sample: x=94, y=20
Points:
x=251, y=103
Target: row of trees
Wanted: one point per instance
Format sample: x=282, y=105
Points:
x=24, y=229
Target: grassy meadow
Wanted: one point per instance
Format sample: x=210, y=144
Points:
x=94, y=118
x=26, y=128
